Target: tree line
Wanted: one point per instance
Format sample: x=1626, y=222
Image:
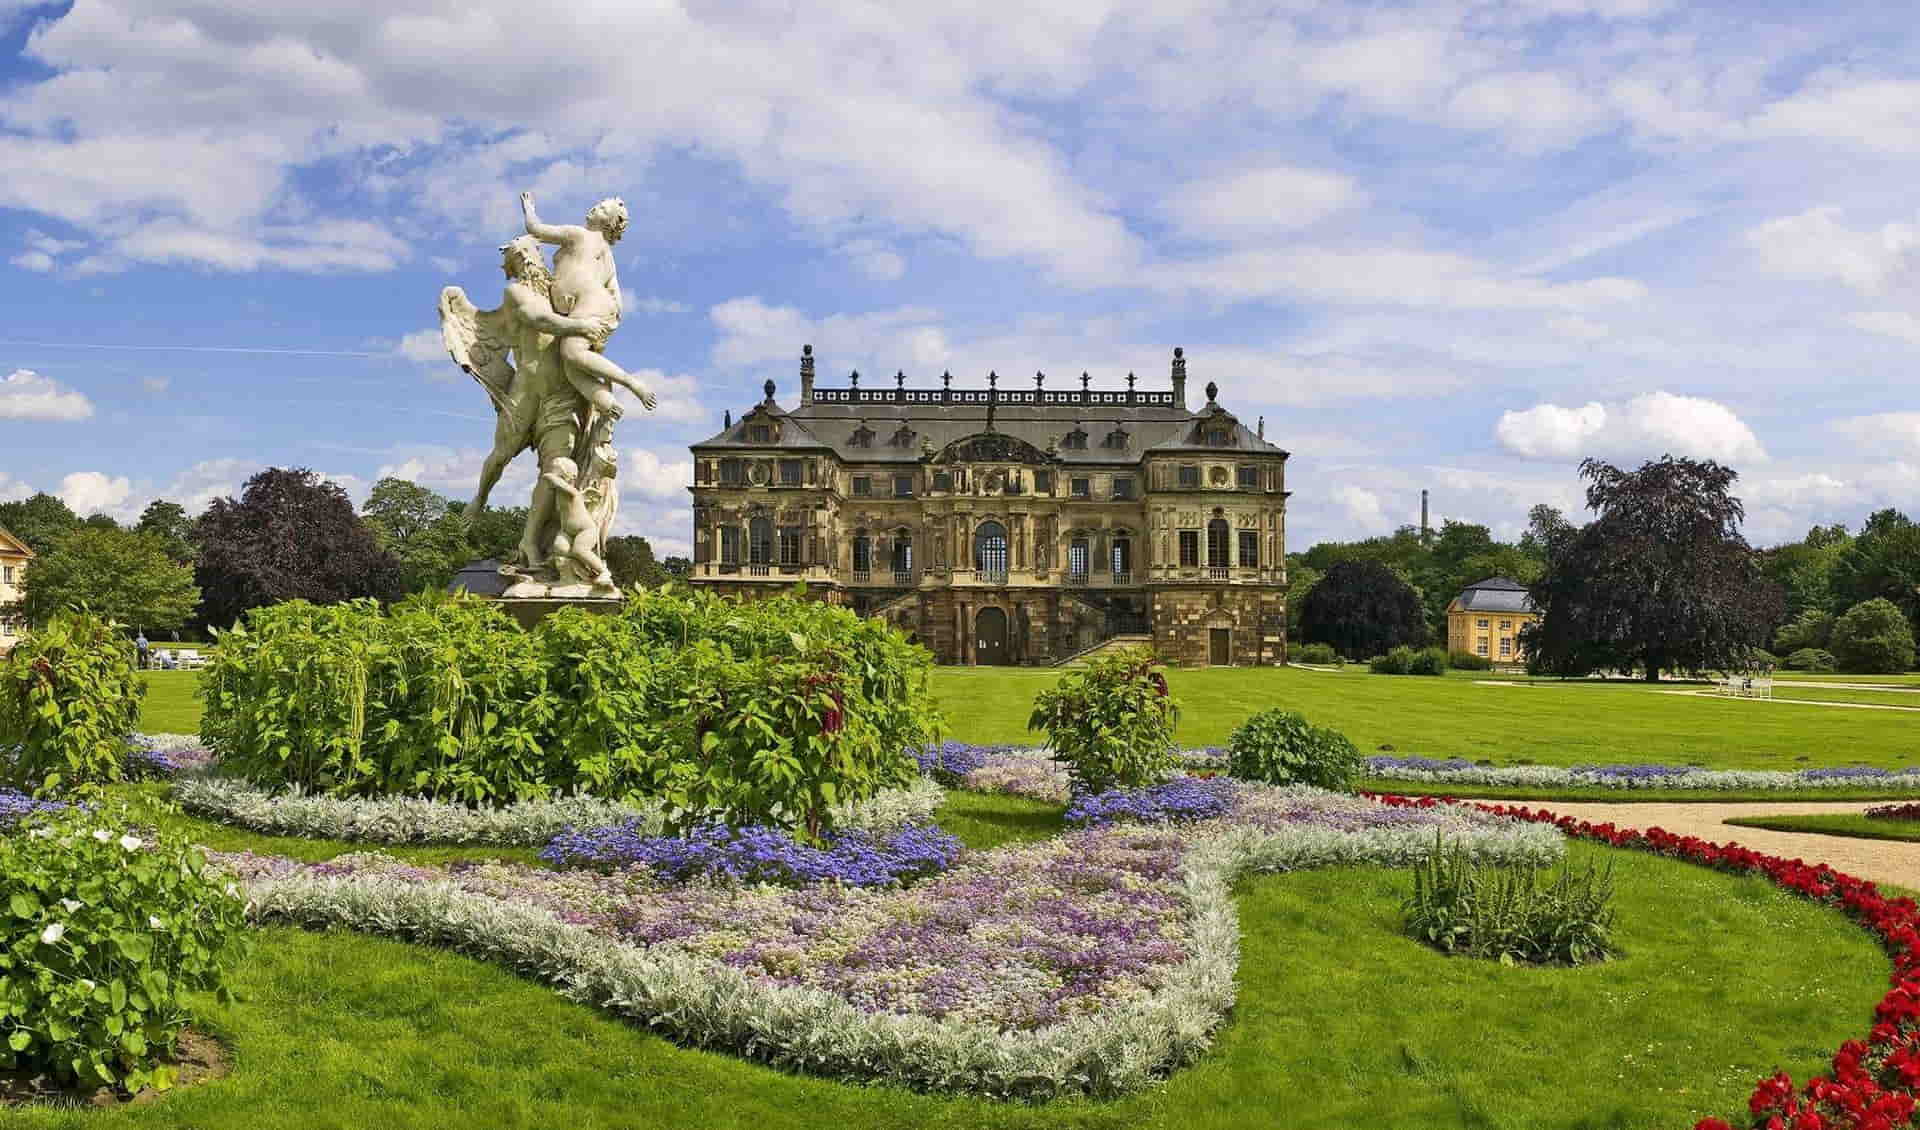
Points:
x=290, y=534
x=1661, y=580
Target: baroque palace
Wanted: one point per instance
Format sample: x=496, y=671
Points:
x=1007, y=525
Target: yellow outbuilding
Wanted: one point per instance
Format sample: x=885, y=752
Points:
x=1486, y=618
x=14, y=556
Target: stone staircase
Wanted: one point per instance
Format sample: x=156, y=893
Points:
x=1112, y=643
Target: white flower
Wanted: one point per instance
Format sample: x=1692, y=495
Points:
x=86, y=984
x=131, y=842
x=102, y=835
x=71, y=904
x=39, y=833
x=53, y=933
x=154, y=921
x=233, y=891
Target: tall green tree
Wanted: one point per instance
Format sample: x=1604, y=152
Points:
x=40, y=520
x=678, y=568
x=423, y=531
x=290, y=535
x=123, y=575
x=1661, y=580
x=1884, y=562
x=630, y=559
x=169, y=522
x=1873, y=638
x=1362, y=608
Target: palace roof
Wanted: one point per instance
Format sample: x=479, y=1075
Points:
x=1495, y=594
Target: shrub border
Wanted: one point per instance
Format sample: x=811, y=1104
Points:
x=1874, y=1082
x=531, y=823
x=704, y=1004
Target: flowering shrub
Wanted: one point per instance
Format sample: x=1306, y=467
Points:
x=1029, y=773
x=1112, y=723
x=1456, y=771
x=102, y=931
x=162, y=757
x=1178, y=800
x=761, y=855
x=69, y=696
x=1875, y=1083
x=1894, y=812
x=1461, y=906
x=16, y=807
x=1281, y=747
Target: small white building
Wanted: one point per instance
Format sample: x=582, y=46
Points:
x=14, y=555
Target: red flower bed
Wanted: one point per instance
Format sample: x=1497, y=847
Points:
x=1875, y=1082
x=1894, y=812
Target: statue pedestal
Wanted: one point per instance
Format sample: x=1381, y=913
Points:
x=530, y=600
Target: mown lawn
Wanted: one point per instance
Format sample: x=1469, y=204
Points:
x=1722, y=980
x=1835, y=824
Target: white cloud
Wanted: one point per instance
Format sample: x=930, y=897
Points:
x=38, y=261
x=1896, y=433
x=1362, y=506
x=91, y=492
x=1531, y=109
x=874, y=259
x=156, y=385
x=751, y=332
x=426, y=347
x=1397, y=276
x=1816, y=245
x=1650, y=425
x=336, y=245
x=1260, y=202
x=12, y=489
x=1871, y=113
x=646, y=473
x=633, y=303
x=1889, y=323
x=26, y=395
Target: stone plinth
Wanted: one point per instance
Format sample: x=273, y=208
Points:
x=530, y=601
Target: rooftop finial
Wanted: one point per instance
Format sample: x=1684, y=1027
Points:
x=993, y=379
x=853, y=380
x=1179, y=378
x=1039, y=378
x=1213, y=392
x=1262, y=433
x=1085, y=380
x=769, y=387
x=806, y=374
x=726, y=419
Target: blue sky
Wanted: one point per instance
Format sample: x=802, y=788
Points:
x=1454, y=245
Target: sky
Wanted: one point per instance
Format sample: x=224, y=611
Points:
x=1454, y=246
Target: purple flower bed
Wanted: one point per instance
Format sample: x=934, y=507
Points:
x=1018, y=937
x=1848, y=774
x=1634, y=772
x=147, y=763
x=1178, y=800
x=760, y=855
x=1417, y=764
x=15, y=807
x=950, y=761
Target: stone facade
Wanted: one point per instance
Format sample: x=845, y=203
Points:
x=1002, y=526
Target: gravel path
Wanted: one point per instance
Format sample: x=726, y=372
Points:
x=1883, y=861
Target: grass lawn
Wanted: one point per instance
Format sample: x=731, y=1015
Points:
x=1723, y=980
x=171, y=706
x=1835, y=824
x=1548, y=723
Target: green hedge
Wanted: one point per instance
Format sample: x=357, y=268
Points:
x=69, y=699
x=761, y=712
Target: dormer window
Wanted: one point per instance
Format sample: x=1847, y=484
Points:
x=759, y=433
x=1117, y=439
x=1218, y=437
x=903, y=437
x=1076, y=439
x=862, y=437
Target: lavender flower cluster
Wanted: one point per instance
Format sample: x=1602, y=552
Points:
x=715, y=851
x=151, y=760
x=15, y=807
x=1455, y=771
x=949, y=762
x=1179, y=800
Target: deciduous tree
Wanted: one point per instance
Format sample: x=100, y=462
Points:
x=290, y=535
x=123, y=575
x=40, y=520
x=1362, y=608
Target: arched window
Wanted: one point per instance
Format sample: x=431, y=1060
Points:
x=990, y=551
x=759, y=542
x=1217, y=544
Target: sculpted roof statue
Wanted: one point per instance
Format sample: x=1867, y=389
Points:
x=540, y=356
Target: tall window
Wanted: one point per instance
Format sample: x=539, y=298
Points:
x=1189, y=477
x=862, y=486
x=1122, y=555
x=1189, y=548
x=903, y=486
x=729, y=545
x=789, y=472
x=1217, y=544
x=903, y=552
x=862, y=553
x=731, y=472
x=1249, y=478
x=789, y=545
x=943, y=480
x=1043, y=482
x=1249, y=549
x=1082, y=488
x=990, y=549
x=759, y=542
x=1123, y=487
x=6, y=574
x=1077, y=557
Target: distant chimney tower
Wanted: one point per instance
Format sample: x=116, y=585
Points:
x=1426, y=530
x=1180, y=378
x=806, y=374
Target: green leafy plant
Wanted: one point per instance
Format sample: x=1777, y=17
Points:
x=1460, y=905
x=1428, y=661
x=69, y=700
x=1110, y=723
x=1873, y=638
x=1810, y=659
x=1468, y=661
x=1280, y=747
x=1321, y=653
x=1398, y=661
x=103, y=930
x=774, y=711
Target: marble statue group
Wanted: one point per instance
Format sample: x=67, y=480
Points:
x=555, y=395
